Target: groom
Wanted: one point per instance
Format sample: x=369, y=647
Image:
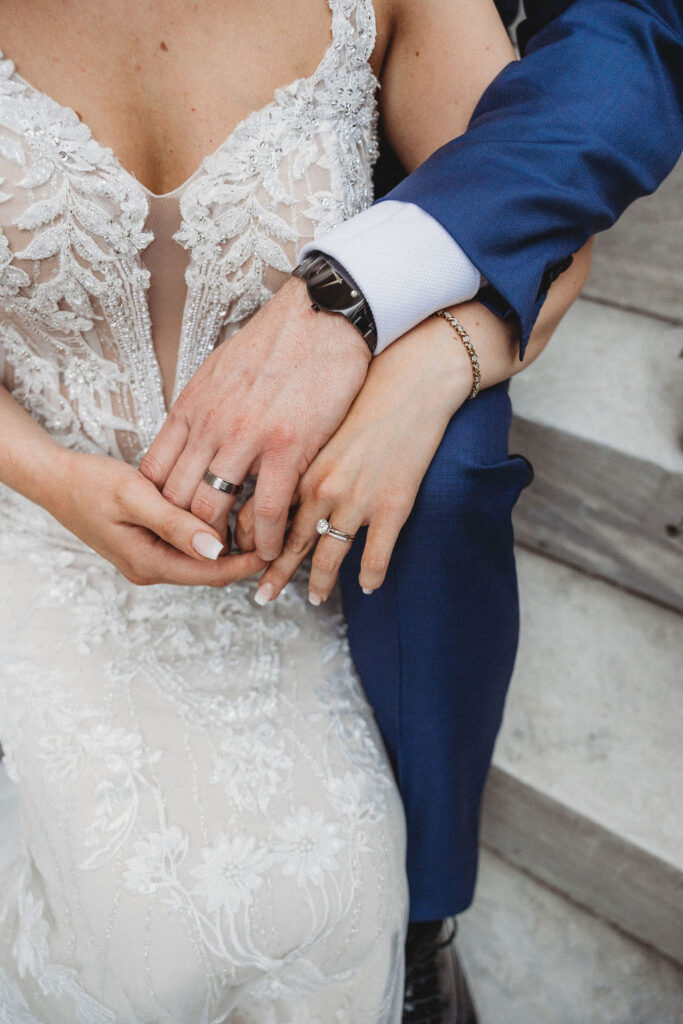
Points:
x=559, y=145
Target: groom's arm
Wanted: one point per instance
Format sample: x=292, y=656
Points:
x=559, y=145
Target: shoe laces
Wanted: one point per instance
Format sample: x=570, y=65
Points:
x=422, y=1003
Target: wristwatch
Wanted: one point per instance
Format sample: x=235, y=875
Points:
x=331, y=289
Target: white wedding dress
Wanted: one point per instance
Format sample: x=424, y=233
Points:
x=209, y=828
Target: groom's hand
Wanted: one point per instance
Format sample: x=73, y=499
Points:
x=265, y=401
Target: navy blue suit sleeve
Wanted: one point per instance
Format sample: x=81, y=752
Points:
x=560, y=144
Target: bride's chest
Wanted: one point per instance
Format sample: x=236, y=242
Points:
x=167, y=85
x=301, y=161
x=77, y=278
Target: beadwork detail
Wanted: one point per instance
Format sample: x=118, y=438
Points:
x=296, y=167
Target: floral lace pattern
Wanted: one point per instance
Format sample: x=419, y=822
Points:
x=209, y=826
x=72, y=230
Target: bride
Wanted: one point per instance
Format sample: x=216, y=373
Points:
x=210, y=830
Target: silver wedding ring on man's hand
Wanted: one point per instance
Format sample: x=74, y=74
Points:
x=324, y=527
x=222, y=485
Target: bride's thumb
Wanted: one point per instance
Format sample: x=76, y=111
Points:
x=178, y=527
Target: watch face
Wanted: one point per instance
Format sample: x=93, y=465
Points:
x=330, y=290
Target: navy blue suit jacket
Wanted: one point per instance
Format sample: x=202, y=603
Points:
x=560, y=143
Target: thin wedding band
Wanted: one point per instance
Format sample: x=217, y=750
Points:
x=323, y=526
x=222, y=485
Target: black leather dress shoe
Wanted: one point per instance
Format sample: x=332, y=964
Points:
x=436, y=990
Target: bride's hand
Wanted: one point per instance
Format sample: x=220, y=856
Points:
x=369, y=472
x=123, y=517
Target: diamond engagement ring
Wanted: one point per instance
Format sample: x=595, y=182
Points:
x=222, y=485
x=323, y=526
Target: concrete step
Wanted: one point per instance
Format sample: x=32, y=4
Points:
x=600, y=416
x=586, y=786
x=532, y=957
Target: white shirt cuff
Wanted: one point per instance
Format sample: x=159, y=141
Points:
x=404, y=262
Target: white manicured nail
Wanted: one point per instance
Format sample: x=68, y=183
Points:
x=264, y=593
x=206, y=545
x=314, y=599
x=366, y=591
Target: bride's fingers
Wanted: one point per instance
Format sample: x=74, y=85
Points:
x=299, y=539
x=330, y=553
x=144, y=506
x=152, y=560
x=379, y=546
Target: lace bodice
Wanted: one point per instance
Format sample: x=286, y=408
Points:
x=78, y=272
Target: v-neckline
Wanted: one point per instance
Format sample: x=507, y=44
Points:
x=151, y=196
x=247, y=119
x=158, y=399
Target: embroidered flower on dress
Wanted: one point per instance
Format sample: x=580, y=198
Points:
x=251, y=765
x=231, y=872
x=306, y=845
x=156, y=861
x=30, y=946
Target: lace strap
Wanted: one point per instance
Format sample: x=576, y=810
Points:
x=354, y=26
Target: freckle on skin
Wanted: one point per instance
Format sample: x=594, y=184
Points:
x=417, y=53
x=162, y=45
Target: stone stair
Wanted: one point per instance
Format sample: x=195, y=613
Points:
x=638, y=264
x=585, y=789
x=600, y=416
x=583, y=807
x=533, y=957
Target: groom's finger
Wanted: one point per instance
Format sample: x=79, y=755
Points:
x=244, y=526
x=196, y=460
x=213, y=501
x=164, y=451
x=277, y=481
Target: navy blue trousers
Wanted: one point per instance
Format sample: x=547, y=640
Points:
x=435, y=645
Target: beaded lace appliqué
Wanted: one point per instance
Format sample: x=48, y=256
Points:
x=76, y=291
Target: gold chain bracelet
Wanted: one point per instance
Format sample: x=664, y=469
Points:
x=465, y=338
